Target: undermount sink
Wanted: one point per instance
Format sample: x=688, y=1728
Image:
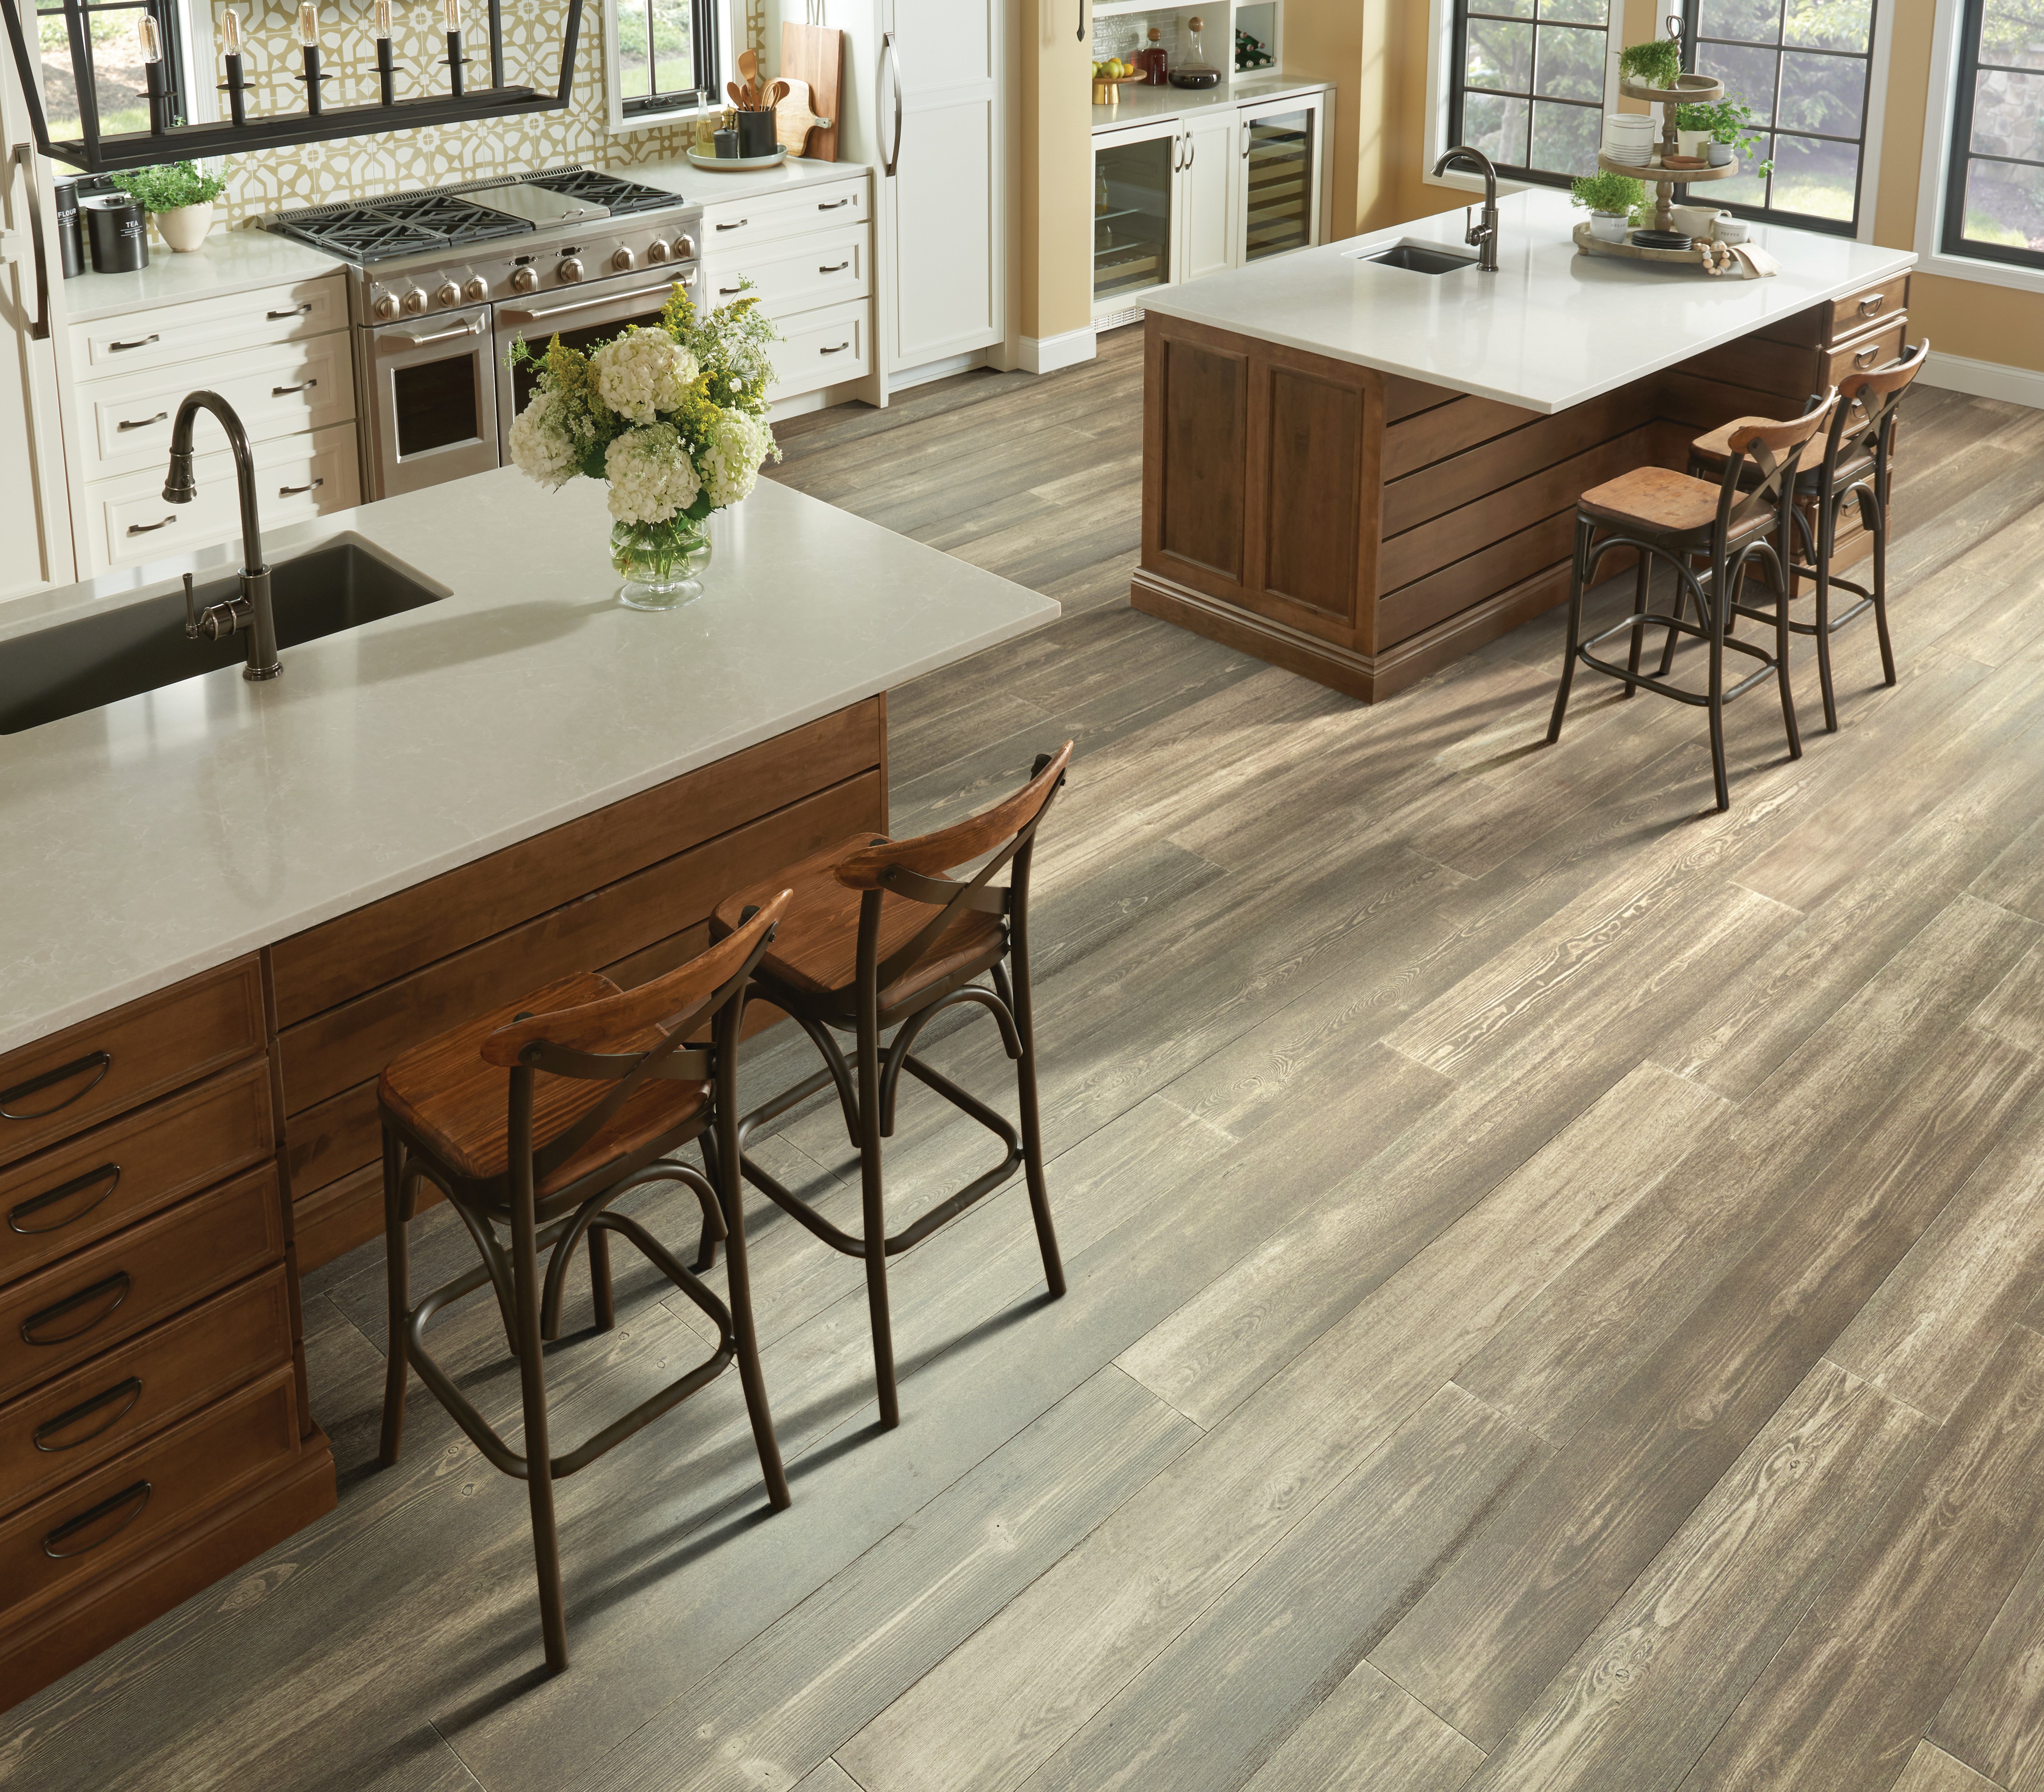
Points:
x=143, y=647
x=1421, y=258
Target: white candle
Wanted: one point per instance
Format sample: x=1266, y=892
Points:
x=231, y=34
x=309, y=24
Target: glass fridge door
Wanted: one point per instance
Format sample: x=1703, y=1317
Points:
x=1132, y=218
x=1279, y=213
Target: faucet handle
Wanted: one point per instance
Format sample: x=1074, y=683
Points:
x=193, y=627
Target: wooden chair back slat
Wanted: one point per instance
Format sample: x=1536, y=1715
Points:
x=936, y=853
x=1868, y=402
x=1778, y=438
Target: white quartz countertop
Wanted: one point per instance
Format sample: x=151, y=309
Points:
x=1549, y=329
x=233, y=261
x=709, y=186
x=1146, y=105
x=169, y=833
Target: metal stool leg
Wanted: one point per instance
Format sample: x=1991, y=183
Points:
x=396, y=1262
x=731, y=1197
x=1641, y=583
x=599, y=1280
x=1584, y=529
x=1827, y=537
x=874, y=1211
x=1025, y=1084
x=1874, y=512
x=1719, y=601
x=1783, y=580
x=538, y=1460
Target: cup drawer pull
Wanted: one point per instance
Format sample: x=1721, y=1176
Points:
x=128, y=1503
x=299, y=491
x=304, y=310
x=104, y=1180
x=836, y=267
x=92, y=1301
x=141, y=423
x=100, y=1062
x=115, y=1404
x=1867, y=356
x=122, y=347
x=1872, y=303
x=285, y=391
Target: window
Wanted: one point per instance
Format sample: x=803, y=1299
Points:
x=120, y=85
x=663, y=57
x=1528, y=85
x=1805, y=66
x=1994, y=202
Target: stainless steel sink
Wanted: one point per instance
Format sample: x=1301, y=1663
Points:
x=143, y=647
x=1417, y=258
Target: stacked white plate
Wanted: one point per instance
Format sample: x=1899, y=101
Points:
x=1630, y=137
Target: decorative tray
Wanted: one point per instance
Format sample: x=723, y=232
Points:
x=1696, y=260
x=731, y=164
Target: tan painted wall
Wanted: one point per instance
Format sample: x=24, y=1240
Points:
x=1057, y=169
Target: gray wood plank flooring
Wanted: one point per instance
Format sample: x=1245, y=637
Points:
x=1556, y=1274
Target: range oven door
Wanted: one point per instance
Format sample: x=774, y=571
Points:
x=599, y=313
x=432, y=401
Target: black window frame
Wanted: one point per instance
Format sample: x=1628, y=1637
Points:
x=1960, y=154
x=1774, y=132
x=1458, y=70
x=705, y=50
x=170, y=36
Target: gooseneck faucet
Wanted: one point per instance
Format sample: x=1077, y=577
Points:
x=1483, y=232
x=248, y=613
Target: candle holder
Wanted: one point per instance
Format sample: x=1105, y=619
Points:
x=157, y=88
x=454, y=61
x=236, y=87
x=313, y=79
x=386, y=73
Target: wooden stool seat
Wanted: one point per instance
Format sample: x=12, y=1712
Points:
x=445, y=1093
x=817, y=950
x=1656, y=499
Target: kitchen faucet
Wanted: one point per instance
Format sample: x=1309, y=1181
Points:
x=250, y=612
x=1483, y=232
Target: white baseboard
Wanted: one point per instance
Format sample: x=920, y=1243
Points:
x=1046, y=355
x=1985, y=379
x=903, y=379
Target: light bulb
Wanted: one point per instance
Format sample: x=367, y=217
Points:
x=152, y=45
x=231, y=34
x=309, y=24
x=454, y=15
x=382, y=26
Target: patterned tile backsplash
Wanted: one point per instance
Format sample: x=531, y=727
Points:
x=317, y=174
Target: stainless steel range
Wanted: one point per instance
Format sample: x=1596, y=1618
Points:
x=444, y=281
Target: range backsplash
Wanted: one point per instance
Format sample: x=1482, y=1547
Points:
x=317, y=174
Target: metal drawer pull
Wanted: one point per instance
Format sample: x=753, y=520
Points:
x=22, y=1210
x=835, y=204
x=150, y=528
x=121, y=1397
x=304, y=310
x=285, y=391
x=1871, y=304
x=1867, y=356
x=299, y=491
x=117, y=1284
x=605, y=299
x=839, y=350
x=473, y=327
x=122, y=347
x=101, y=1062
x=839, y=268
x=740, y=225
x=725, y=292
x=136, y=1498
x=141, y=423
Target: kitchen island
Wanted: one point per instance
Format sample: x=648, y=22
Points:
x=231, y=903
x=1360, y=472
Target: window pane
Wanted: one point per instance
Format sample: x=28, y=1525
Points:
x=1565, y=138
x=673, y=56
x=1751, y=21
x=2005, y=204
x=1577, y=11
x=1571, y=64
x=1815, y=178
x=1830, y=25
x=2012, y=32
x=1497, y=127
x=634, y=73
x=1744, y=188
x=2008, y=115
x=1748, y=74
x=1822, y=93
x=1507, y=9
x=1499, y=56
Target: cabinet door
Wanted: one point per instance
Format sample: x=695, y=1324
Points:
x=1279, y=165
x=948, y=281
x=1208, y=234
x=1135, y=207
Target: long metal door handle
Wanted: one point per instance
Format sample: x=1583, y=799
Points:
x=304, y=310
x=1192, y=149
x=474, y=327
x=1081, y=32
x=584, y=304
x=141, y=423
x=150, y=528
x=891, y=55
x=24, y=159
x=299, y=491
x=99, y=1062
x=285, y=391
x=122, y=347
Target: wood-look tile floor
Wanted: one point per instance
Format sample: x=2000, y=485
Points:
x=1556, y=1273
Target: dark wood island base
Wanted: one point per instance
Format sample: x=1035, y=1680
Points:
x=1363, y=529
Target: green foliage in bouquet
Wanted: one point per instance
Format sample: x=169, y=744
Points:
x=170, y=187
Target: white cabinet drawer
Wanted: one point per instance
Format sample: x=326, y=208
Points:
x=297, y=477
x=736, y=222
x=283, y=389
x=168, y=333
x=821, y=348
x=799, y=275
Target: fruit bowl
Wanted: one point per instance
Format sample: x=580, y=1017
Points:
x=1107, y=88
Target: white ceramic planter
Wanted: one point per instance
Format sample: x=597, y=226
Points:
x=1718, y=153
x=1610, y=227
x=185, y=228
x=1692, y=143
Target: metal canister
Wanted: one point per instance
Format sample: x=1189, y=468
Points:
x=70, y=227
x=118, y=233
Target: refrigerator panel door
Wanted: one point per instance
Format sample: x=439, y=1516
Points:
x=36, y=546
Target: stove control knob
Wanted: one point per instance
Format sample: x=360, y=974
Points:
x=524, y=280
x=384, y=309
x=448, y=293
x=415, y=300
x=477, y=290
x=570, y=270
x=684, y=248
x=624, y=261
x=656, y=251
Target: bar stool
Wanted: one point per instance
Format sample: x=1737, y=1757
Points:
x=859, y=953
x=537, y=1117
x=1672, y=516
x=1857, y=464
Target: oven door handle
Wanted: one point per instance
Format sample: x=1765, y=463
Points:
x=509, y=316
x=473, y=327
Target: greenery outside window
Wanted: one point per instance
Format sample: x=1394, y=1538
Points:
x=1806, y=68
x=1527, y=84
x=1994, y=199
x=663, y=57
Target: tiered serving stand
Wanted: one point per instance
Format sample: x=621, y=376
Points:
x=1689, y=90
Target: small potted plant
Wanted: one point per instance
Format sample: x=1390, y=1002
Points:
x=1610, y=199
x=1692, y=128
x=1656, y=64
x=179, y=198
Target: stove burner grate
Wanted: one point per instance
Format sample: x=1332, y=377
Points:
x=619, y=198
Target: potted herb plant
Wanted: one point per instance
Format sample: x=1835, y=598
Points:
x=1692, y=128
x=1610, y=199
x=179, y=198
x=1656, y=63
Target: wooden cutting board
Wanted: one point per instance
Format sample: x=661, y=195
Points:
x=794, y=120
x=814, y=55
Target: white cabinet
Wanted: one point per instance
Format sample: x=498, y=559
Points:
x=1209, y=233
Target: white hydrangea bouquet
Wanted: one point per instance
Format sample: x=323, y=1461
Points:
x=673, y=418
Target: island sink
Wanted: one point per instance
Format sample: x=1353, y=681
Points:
x=100, y=659
x=1421, y=258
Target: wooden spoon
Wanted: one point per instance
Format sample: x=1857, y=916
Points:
x=779, y=91
x=737, y=97
x=748, y=68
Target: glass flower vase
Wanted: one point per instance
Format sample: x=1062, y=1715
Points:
x=660, y=563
